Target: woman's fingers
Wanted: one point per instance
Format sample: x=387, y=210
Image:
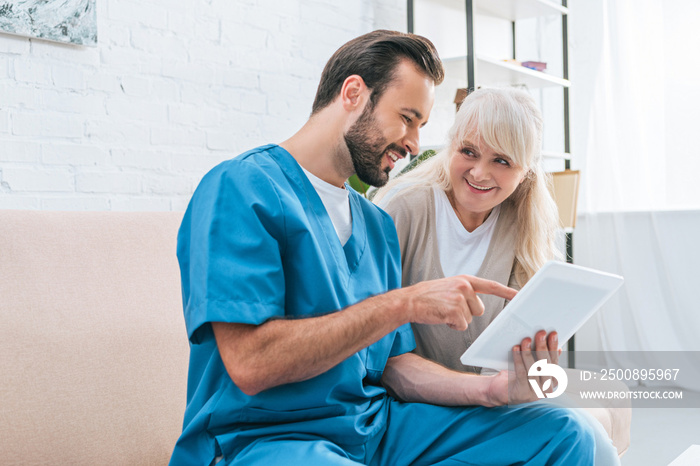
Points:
x=541, y=349
x=553, y=346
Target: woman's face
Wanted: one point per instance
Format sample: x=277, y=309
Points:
x=481, y=179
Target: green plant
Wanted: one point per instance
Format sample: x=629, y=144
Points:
x=362, y=187
x=359, y=186
x=422, y=157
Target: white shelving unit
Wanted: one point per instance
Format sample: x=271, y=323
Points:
x=514, y=10
x=468, y=66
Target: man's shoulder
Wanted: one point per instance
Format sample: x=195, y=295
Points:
x=260, y=154
x=255, y=169
x=253, y=178
x=259, y=159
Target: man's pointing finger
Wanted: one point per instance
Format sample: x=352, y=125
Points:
x=484, y=286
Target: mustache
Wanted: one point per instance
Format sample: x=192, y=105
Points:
x=396, y=148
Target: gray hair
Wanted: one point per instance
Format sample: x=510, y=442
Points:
x=509, y=122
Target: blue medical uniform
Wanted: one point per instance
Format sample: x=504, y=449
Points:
x=256, y=243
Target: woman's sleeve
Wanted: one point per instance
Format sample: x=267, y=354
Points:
x=401, y=214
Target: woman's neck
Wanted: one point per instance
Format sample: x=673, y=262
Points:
x=469, y=220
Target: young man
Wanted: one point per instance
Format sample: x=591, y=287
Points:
x=296, y=322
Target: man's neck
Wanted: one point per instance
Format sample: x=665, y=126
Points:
x=319, y=147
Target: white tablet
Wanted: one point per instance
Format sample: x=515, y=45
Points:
x=559, y=297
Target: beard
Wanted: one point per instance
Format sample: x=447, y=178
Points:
x=367, y=148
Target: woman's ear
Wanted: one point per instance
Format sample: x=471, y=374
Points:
x=526, y=174
x=353, y=93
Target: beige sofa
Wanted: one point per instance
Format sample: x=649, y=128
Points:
x=93, y=348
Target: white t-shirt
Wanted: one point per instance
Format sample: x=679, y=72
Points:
x=337, y=203
x=461, y=252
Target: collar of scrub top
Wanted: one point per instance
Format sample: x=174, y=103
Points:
x=347, y=257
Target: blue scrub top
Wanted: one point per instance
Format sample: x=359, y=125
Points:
x=256, y=243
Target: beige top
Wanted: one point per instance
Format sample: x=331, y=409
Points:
x=413, y=211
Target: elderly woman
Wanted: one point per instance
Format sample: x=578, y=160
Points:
x=481, y=207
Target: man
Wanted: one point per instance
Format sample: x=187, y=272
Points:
x=296, y=323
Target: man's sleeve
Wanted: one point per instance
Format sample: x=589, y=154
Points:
x=230, y=249
x=404, y=341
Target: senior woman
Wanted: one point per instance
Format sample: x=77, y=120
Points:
x=481, y=207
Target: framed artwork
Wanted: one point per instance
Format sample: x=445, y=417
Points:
x=68, y=21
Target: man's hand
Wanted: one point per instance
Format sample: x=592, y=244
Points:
x=452, y=301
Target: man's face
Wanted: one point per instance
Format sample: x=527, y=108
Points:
x=388, y=131
x=368, y=147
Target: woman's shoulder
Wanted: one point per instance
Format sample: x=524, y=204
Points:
x=508, y=213
x=407, y=197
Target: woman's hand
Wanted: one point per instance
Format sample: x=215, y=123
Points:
x=514, y=387
x=546, y=347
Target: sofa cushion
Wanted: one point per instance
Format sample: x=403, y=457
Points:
x=93, y=348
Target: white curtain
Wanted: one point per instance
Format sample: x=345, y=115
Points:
x=626, y=120
x=635, y=119
x=657, y=309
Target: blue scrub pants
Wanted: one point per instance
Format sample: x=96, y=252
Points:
x=605, y=452
x=422, y=434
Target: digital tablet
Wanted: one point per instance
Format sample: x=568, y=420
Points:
x=559, y=297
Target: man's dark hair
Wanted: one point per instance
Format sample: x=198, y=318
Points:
x=374, y=57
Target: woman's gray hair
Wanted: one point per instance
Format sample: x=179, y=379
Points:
x=509, y=122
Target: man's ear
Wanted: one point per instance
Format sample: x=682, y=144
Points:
x=354, y=93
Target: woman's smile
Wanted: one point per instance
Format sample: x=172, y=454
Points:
x=477, y=188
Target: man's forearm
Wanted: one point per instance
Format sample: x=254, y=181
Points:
x=259, y=357
x=416, y=379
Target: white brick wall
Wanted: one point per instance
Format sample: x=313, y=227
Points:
x=173, y=88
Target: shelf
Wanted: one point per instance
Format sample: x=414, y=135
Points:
x=511, y=10
x=500, y=73
x=556, y=155
x=520, y=9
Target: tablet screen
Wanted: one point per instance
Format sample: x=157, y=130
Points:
x=559, y=297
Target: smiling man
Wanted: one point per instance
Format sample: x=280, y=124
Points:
x=297, y=326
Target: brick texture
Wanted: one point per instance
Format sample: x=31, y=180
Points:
x=172, y=88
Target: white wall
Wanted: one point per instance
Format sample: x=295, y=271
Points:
x=173, y=87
